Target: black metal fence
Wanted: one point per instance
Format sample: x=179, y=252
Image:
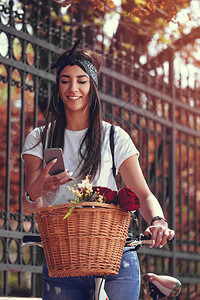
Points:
x=162, y=118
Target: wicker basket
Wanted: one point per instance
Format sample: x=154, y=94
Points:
x=89, y=242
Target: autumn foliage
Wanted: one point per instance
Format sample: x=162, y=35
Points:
x=137, y=8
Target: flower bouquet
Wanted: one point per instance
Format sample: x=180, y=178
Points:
x=124, y=198
x=87, y=235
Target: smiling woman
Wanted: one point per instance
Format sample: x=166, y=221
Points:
x=74, y=123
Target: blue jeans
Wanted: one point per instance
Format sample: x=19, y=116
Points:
x=123, y=286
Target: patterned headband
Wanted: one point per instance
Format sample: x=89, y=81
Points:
x=84, y=64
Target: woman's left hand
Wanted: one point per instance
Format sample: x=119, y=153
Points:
x=160, y=234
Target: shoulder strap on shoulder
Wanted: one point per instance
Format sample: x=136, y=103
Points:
x=112, y=146
x=40, y=128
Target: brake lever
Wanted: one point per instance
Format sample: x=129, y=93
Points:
x=139, y=241
x=142, y=240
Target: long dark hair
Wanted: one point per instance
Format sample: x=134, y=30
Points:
x=56, y=121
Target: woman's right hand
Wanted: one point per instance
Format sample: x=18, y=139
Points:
x=45, y=183
x=38, y=181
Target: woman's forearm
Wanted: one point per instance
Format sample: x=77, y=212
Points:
x=150, y=208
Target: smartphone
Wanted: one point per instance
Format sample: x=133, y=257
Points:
x=52, y=153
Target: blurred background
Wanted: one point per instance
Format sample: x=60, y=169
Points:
x=149, y=85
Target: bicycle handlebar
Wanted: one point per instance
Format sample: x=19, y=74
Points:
x=139, y=241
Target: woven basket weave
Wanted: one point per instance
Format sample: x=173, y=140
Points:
x=89, y=242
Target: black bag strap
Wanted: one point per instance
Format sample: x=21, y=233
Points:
x=41, y=131
x=112, y=145
x=134, y=221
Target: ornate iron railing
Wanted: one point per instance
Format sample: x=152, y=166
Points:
x=162, y=119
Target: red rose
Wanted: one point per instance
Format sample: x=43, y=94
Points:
x=108, y=194
x=128, y=200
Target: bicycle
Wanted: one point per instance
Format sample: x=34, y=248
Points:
x=158, y=286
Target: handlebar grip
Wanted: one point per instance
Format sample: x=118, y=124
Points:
x=32, y=238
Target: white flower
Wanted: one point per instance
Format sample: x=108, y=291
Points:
x=85, y=185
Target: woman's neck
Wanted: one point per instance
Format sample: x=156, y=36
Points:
x=77, y=122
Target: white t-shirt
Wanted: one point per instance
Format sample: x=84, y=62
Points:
x=123, y=148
